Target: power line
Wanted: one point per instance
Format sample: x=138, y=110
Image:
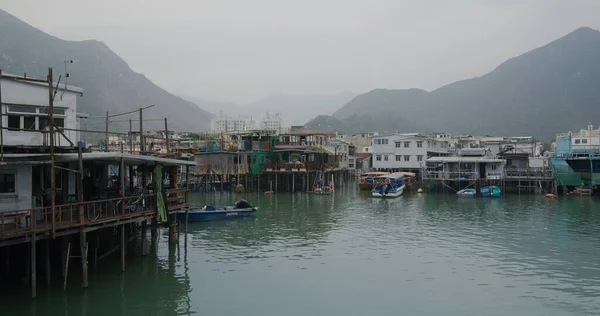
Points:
x=130, y=112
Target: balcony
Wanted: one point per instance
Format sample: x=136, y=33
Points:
x=89, y=213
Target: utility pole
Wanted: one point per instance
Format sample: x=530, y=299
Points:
x=106, y=134
x=142, y=145
x=166, y=135
x=1, y=119
x=130, y=138
x=52, y=171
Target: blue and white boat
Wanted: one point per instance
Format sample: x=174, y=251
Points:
x=466, y=192
x=211, y=213
x=389, y=186
x=491, y=191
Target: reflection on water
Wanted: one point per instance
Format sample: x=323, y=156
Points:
x=349, y=254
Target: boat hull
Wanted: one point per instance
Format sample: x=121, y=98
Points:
x=320, y=192
x=492, y=191
x=466, y=193
x=197, y=215
x=365, y=186
x=391, y=194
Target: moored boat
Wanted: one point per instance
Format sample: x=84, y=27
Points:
x=491, y=191
x=210, y=213
x=466, y=192
x=389, y=186
x=366, y=181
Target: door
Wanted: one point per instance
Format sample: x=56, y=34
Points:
x=482, y=170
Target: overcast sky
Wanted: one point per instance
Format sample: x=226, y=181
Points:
x=243, y=50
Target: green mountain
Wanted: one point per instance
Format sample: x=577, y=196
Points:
x=551, y=89
x=108, y=82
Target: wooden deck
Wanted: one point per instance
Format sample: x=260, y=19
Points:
x=87, y=214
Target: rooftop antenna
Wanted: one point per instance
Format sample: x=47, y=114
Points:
x=70, y=61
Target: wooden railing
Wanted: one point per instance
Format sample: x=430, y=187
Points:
x=21, y=222
x=177, y=199
x=528, y=173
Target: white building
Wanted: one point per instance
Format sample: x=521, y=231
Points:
x=228, y=123
x=273, y=122
x=26, y=106
x=225, y=123
x=585, y=139
x=406, y=152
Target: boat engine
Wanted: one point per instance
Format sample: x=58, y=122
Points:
x=242, y=204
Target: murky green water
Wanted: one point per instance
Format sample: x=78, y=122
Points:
x=349, y=254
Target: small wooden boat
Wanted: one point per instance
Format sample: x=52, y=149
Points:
x=466, y=192
x=491, y=191
x=366, y=181
x=389, y=186
x=321, y=192
x=211, y=213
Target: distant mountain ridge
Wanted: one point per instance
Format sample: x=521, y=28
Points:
x=551, y=89
x=297, y=109
x=109, y=83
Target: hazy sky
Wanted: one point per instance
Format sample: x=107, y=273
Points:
x=242, y=50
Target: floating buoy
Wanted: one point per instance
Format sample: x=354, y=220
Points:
x=551, y=196
x=420, y=190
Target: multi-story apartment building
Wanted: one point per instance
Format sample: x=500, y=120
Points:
x=406, y=152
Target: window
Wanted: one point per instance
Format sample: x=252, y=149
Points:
x=29, y=122
x=493, y=166
x=385, y=157
x=419, y=144
x=406, y=158
x=7, y=183
x=366, y=149
x=378, y=157
x=406, y=144
x=419, y=157
x=577, y=141
x=398, y=158
x=14, y=122
x=398, y=145
x=584, y=141
x=509, y=162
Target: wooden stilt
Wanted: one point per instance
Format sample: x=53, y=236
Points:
x=96, y=253
x=66, y=270
x=144, y=240
x=84, y=262
x=33, y=268
x=293, y=182
x=123, y=247
x=47, y=261
x=7, y=260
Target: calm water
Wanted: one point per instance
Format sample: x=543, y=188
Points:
x=349, y=254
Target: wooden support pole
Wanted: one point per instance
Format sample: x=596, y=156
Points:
x=276, y=176
x=144, y=240
x=122, y=182
x=84, y=262
x=47, y=261
x=293, y=182
x=80, y=182
x=66, y=271
x=96, y=253
x=52, y=170
x=123, y=247
x=33, y=267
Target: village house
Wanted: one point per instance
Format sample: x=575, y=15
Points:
x=406, y=152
